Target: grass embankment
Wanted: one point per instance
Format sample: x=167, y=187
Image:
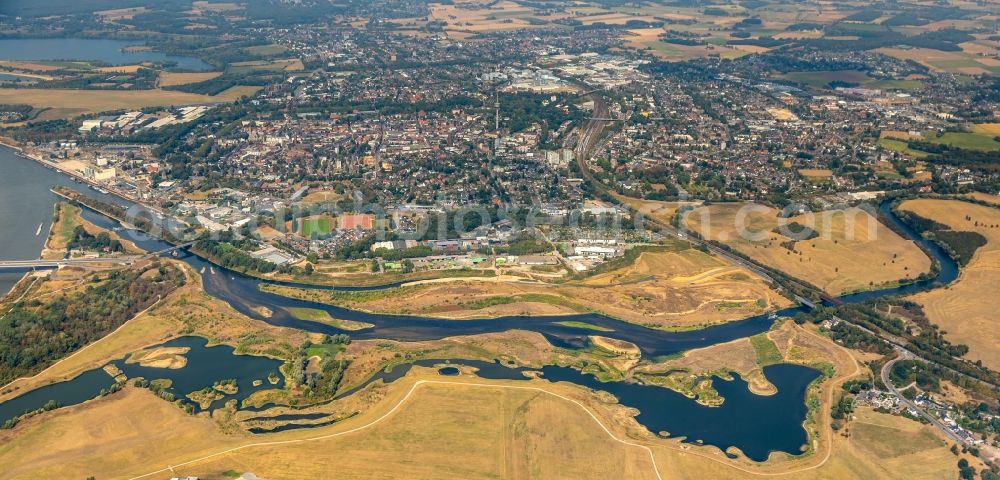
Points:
x=377, y=280
x=588, y=326
x=66, y=219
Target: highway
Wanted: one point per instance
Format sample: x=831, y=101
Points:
x=69, y=262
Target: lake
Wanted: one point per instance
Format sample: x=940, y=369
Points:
x=6, y=77
x=107, y=51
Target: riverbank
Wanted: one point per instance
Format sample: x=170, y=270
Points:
x=21, y=152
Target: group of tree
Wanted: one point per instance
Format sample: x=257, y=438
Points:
x=83, y=240
x=36, y=332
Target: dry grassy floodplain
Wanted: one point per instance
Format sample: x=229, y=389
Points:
x=843, y=258
x=452, y=428
x=660, y=211
x=436, y=429
x=966, y=309
x=67, y=103
x=673, y=289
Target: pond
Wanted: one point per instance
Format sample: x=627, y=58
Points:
x=107, y=51
x=205, y=366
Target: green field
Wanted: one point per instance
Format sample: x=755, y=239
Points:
x=311, y=314
x=767, y=351
x=665, y=48
x=902, y=147
x=970, y=141
x=317, y=225
x=267, y=50
x=897, y=84
x=821, y=79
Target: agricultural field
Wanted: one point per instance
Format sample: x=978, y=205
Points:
x=960, y=309
x=960, y=62
x=968, y=140
x=172, y=79
x=816, y=174
x=840, y=259
x=847, y=78
x=282, y=65
x=665, y=289
x=70, y=103
x=901, y=147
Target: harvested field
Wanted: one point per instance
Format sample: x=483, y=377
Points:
x=962, y=309
x=284, y=65
x=954, y=62
x=840, y=259
x=170, y=79
x=816, y=173
x=119, y=69
x=69, y=103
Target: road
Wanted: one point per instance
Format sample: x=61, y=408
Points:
x=905, y=355
x=67, y=262
x=588, y=140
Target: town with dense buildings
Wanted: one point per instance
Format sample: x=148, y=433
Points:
x=524, y=160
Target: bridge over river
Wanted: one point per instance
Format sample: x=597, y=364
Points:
x=71, y=262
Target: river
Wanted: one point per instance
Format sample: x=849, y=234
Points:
x=26, y=208
x=757, y=425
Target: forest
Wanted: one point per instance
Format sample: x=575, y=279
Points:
x=36, y=333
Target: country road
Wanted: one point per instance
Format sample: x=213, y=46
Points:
x=905, y=355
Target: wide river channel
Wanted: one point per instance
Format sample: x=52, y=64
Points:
x=755, y=424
